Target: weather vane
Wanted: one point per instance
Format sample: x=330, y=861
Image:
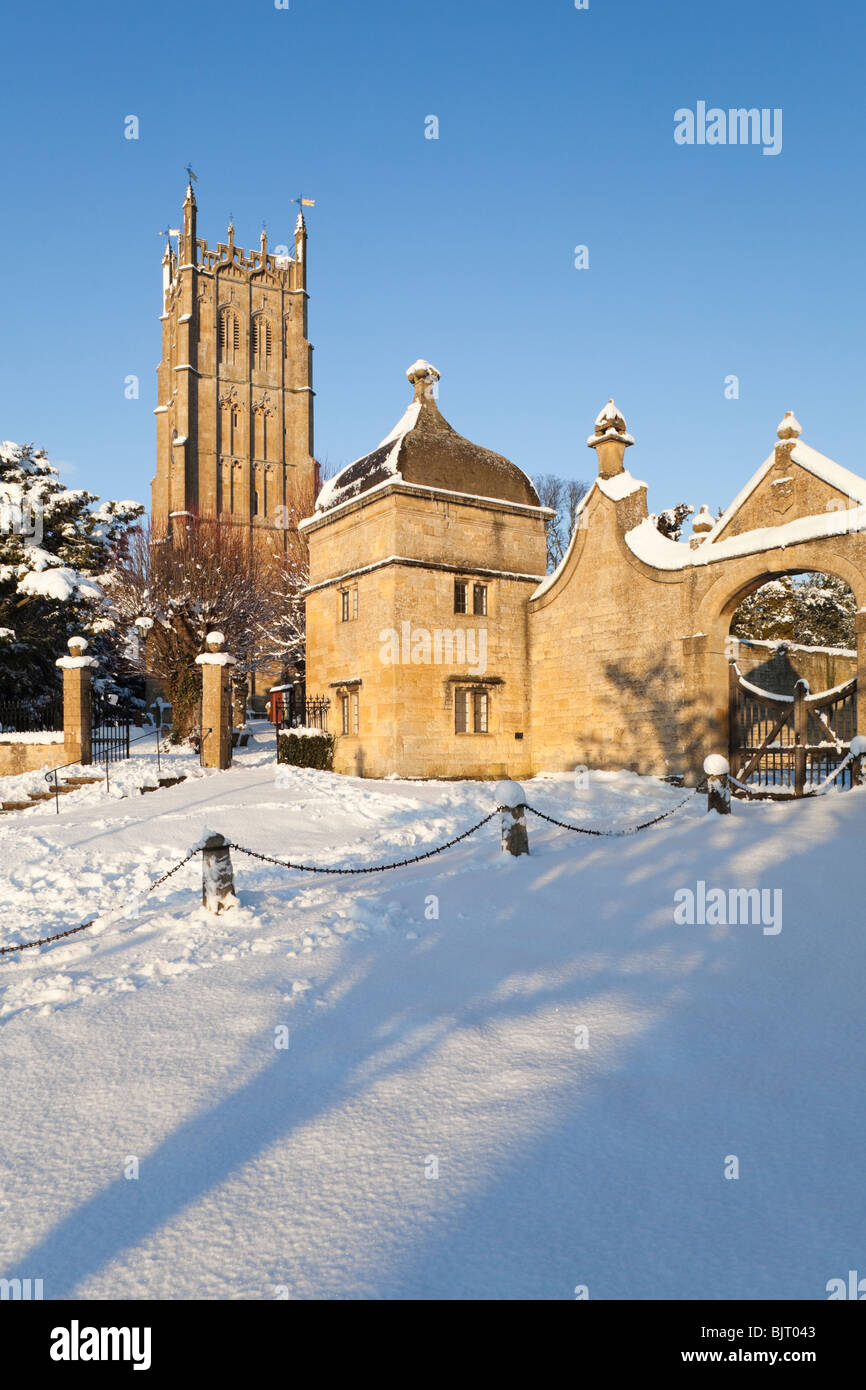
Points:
x=192, y=177
x=304, y=202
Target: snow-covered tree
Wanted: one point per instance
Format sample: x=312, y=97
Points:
x=813, y=610
x=670, y=521
x=54, y=547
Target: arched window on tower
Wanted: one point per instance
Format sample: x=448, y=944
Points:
x=262, y=343
x=229, y=337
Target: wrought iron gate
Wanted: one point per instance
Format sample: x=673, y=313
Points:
x=789, y=744
x=109, y=729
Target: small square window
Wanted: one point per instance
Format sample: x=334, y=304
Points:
x=461, y=596
x=479, y=600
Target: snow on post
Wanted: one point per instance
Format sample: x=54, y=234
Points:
x=858, y=755
x=511, y=800
x=718, y=787
x=217, y=877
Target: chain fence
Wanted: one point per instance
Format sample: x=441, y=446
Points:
x=630, y=830
x=362, y=869
x=71, y=931
x=368, y=868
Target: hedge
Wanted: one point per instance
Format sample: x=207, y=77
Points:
x=306, y=748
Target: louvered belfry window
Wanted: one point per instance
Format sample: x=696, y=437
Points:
x=262, y=343
x=229, y=337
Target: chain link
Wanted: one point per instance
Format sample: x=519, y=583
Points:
x=371, y=868
x=71, y=931
x=631, y=830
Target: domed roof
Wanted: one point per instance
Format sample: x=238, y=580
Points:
x=422, y=448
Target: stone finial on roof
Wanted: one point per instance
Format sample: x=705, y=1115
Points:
x=609, y=424
x=610, y=430
x=77, y=646
x=423, y=377
x=790, y=427
x=703, y=522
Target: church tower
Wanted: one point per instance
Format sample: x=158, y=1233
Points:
x=235, y=398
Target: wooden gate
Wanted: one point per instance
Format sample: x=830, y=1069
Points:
x=787, y=745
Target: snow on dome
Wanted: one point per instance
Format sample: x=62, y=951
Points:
x=789, y=426
x=703, y=522
x=423, y=450
x=78, y=644
x=144, y=624
x=215, y=637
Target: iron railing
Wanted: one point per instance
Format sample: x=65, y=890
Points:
x=31, y=716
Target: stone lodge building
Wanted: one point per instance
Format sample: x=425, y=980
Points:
x=446, y=651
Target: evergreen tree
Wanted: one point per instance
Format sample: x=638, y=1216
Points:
x=812, y=610
x=54, y=546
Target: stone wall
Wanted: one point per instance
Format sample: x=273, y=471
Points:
x=18, y=755
x=778, y=668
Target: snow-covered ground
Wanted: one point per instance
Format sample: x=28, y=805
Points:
x=434, y=1127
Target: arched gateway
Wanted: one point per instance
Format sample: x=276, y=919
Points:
x=447, y=653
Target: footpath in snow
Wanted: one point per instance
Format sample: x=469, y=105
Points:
x=475, y=1077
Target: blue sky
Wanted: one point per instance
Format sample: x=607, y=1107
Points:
x=555, y=130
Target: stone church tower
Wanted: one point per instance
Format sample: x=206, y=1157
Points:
x=235, y=398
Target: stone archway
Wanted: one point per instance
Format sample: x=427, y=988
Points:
x=735, y=579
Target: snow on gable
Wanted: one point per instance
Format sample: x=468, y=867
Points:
x=840, y=479
x=648, y=544
x=619, y=486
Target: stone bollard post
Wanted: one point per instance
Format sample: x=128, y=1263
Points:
x=216, y=714
x=718, y=787
x=217, y=877
x=515, y=837
x=858, y=760
x=77, y=720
